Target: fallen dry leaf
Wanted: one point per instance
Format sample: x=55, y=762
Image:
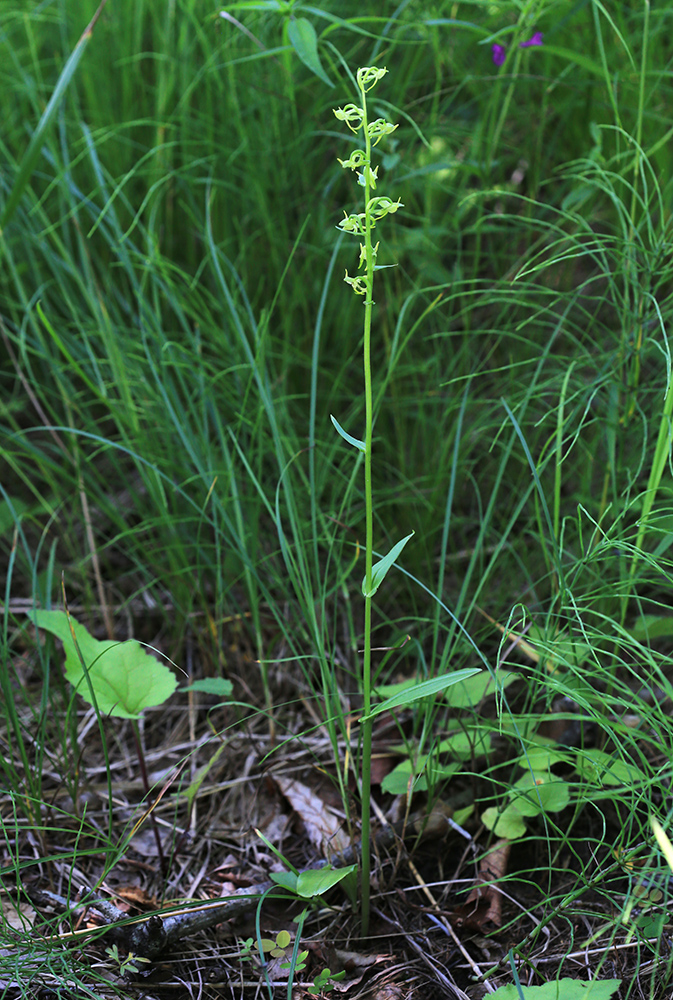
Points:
x=357, y=967
x=20, y=919
x=482, y=908
x=323, y=826
x=137, y=897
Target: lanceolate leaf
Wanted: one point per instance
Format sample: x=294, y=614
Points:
x=315, y=883
x=425, y=689
x=360, y=445
x=380, y=568
x=125, y=679
x=304, y=41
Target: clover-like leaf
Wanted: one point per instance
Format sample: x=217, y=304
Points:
x=125, y=679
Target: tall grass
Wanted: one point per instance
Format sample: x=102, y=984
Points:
x=175, y=334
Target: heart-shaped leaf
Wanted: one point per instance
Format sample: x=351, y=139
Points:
x=539, y=792
x=125, y=679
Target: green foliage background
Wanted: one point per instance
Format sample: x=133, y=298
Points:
x=176, y=332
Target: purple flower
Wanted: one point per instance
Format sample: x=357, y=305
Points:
x=535, y=40
x=498, y=54
x=499, y=51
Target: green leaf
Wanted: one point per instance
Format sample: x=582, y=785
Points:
x=11, y=513
x=315, y=883
x=425, y=689
x=287, y=880
x=202, y=774
x=211, y=685
x=541, y=758
x=125, y=678
x=508, y=823
x=360, y=445
x=602, y=768
x=283, y=939
x=561, y=649
x=304, y=41
x=472, y=741
x=524, y=727
x=652, y=627
x=562, y=989
x=540, y=792
x=470, y=692
x=397, y=782
x=380, y=569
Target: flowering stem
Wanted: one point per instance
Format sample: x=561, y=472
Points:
x=366, y=766
x=362, y=225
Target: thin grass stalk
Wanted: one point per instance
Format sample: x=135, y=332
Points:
x=637, y=164
x=32, y=154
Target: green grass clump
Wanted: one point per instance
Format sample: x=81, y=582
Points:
x=174, y=335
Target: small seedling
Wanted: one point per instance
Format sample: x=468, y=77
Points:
x=126, y=965
x=273, y=948
x=279, y=947
x=325, y=981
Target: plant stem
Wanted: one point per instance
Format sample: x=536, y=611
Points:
x=366, y=765
x=146, y=786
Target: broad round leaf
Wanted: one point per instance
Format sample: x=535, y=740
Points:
x=125, y=679
x=508, y=823
x=561, y=989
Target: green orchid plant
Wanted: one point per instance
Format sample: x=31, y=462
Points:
x=362, y=225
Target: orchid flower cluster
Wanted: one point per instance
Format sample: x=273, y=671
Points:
x=500, y=52
x=377, y=208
